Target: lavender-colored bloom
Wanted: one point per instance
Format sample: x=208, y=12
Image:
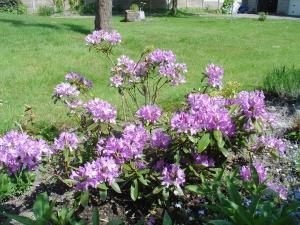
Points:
x=269, y=143
x=66, y=141
x=74, y=104
x=245, y=172
x=65, y=90
x=129, y=146
x=159, y=139
x=99, y=36
x=203, y=160
x=215, y=75
x=159, y=56
x=116, y=81
x=18, y=151
x=174, y=72
x=101, y=110
x=172, y=175
x=150, y=221
x=78, y=79
x=280, y=189
x=206, y=113
x=182, y=122
x=253, y=107
x=149, y=113
x=102, y=170
x=159, y=165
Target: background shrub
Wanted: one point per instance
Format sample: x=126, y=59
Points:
x=262, y=16
x=134, y=7
x=12, y=6
x=284, y=82
x=87, y=9
x=45, y=11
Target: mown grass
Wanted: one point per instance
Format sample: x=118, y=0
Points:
x=36, y=52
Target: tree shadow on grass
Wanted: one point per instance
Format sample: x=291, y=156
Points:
x=65, y=26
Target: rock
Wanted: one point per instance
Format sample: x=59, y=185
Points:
x=133, y=16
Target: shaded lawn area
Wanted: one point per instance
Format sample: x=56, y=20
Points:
x=36, y=52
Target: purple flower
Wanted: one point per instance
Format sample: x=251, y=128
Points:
x=18, y=151
x=116, y=81
x=102, y=170
x=253, y=107
x=65, y=90
x=245, y=172
x=203, y=160
x=182, y=122
x=78, y=79
x=149, y=113
x=215, y=75
x=159, y=56
x=270, y=143
x=101, y=110
x=65, y=141
x=74, y=104
x=280, y=189
x=172, y=175
x=100, y=36
x=159, y=139
x=159, y=165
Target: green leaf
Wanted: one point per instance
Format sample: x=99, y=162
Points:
x=95, y=217
x=42, y=209
x=142, y=180
x=203, y=143
x=134, y=190
x=84, y=198
x=157, y=190
x=167, y=219
x=21, y=219
x=179, y=191
x=194, y=188
x=116, y=222
x=116, y=187
x=103, y=194
x=219, y=222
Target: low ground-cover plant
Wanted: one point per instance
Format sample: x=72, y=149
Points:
x=45, y=10
x=13, y=6
x=148, y=154
x=284, y=82
x=262, y=16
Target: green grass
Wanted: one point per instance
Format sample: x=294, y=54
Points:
x=36, y=52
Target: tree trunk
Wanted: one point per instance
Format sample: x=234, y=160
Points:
x=174, y=8
x=103, y=15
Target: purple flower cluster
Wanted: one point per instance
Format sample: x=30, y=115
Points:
x=78, y=79
x=65, y=141
x=280, y=189
x=102, y=170
x=245, y=172
x=149, y=113
x=159, y=139
x=206, y=113
x=18, y=151
x=253, y=108
x=172, y=175
x=65, y=90
x=166, y=60
x=101, y=110
x=215, y=75
x=129, y=146
x=126, y=68
x=203, y=160
x=100, y=36
x=269, y=143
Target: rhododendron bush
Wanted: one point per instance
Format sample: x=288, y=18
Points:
x=141, y=150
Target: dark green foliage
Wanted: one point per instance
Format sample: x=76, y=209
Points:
x=45, y=11
x=12, y=6
x=7, y=187
x=284, y=82
x=87, y=9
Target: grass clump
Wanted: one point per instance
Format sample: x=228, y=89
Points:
x=45, y=10
x=262, y=16
x=284, y=82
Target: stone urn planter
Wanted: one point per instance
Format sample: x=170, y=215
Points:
x=133, y=16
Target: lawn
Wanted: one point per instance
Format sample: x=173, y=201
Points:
x=36, y=52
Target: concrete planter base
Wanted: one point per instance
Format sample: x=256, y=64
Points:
x=133, y=16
